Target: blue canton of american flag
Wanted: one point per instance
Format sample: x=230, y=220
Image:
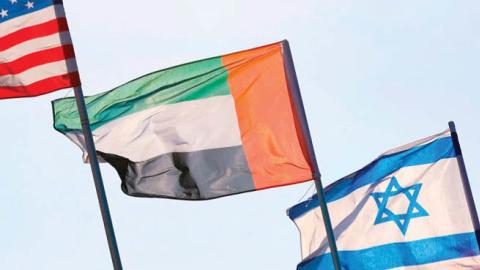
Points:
x=36, y=51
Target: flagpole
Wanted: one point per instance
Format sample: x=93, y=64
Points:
x=97, y=177
x=466, y=183
x=295, y=91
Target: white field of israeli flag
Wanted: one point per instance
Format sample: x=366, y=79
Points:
x=409, y=209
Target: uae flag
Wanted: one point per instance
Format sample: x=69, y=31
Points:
x=202, y=130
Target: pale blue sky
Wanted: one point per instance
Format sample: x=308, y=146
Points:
x=374, y=75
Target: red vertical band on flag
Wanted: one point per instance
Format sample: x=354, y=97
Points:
x=270, y=137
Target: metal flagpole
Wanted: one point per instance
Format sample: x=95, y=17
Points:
x=466, y=183
x=295, y=92
x=97, y=177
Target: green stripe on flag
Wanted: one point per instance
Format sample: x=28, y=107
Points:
x=196, y=80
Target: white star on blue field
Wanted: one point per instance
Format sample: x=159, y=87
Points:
x=14, y=8
x=415, y=210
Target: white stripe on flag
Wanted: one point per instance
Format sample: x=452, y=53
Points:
x=39, y=73
x=353, y=216
x=35, y=45
x=181, y=127
x=31, y=19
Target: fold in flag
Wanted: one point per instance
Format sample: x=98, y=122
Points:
x=36, y=52
x=201, y=130
x=409, y=209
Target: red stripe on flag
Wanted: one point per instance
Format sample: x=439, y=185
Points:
x=36, y=31
x=38, y=58
x=41, y=87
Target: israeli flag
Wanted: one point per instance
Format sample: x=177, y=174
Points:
x=409, y=209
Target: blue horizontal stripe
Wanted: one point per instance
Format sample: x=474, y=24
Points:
x=19, y=9
x=376, y=171
x=400, y=254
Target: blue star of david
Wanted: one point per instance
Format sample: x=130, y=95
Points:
x=415, y=210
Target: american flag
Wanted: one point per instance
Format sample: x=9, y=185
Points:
x=36, y=51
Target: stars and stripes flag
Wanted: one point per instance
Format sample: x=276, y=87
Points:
x=36, y=51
